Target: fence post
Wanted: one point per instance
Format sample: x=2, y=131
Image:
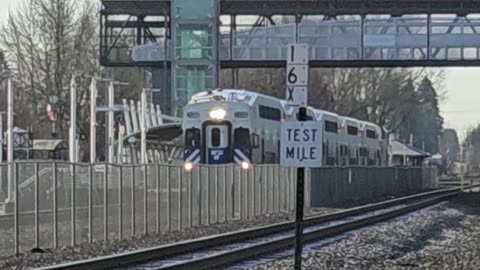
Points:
x=232, y=192
x=132, y=203
x=199, y=196
x=190, y=200
x=105, y=203
x=240, y=193
x=15, y=206
x=54, y=199
x=90, y=202
x=120, y=202
x=217, y=199
x=145, y=199
x=180, y=180
x=225, y=191
x=169, y=198
x=157, y=209
x=254, y=192
x=37, y=201
x=73, y=169
x=208, y=195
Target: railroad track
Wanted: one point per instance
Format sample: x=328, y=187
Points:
x=229, y=248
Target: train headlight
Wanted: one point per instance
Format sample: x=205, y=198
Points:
x=245, y=165
x=188, y=166
x=218, y=114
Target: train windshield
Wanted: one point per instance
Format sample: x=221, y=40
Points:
x=192, y=137
x=241, y=137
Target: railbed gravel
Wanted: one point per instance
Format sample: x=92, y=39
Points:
x=103, y=248
x=446, y=236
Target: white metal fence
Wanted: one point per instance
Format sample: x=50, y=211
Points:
x=61, y=204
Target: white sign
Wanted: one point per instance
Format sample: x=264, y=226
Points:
x=297, y=95
x=297, y=75
x=297, y=54
x=301, y=144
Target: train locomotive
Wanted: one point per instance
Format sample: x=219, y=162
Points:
x=243, y=127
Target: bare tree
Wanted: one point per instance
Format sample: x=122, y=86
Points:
x=48, y=42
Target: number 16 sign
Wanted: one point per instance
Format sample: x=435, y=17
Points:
x=297, y=75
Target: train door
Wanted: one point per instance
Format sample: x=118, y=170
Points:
x=217, y=144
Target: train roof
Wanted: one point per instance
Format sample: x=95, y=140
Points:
x=250, y=97
x=231, y=95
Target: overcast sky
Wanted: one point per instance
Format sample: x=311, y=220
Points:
x=461, y=108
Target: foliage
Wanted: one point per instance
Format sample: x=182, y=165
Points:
x=471, y=148
x=47, y=43
x=449, y=145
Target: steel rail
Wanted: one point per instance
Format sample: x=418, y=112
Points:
x=182, y=247
x=281, y=243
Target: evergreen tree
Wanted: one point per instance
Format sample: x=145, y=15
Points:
x=427, y=122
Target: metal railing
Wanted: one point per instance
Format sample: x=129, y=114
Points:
x=67, y=204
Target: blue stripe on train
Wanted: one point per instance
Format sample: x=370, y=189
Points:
x=218, y=156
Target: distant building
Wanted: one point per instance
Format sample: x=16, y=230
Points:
x=406, y=155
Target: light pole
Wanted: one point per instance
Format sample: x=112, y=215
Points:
x=73, y=121
x=93, y=120
x=10, y=138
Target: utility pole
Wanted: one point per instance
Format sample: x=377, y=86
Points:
x=110, y=119
x=93, y=120
x=73, y=121
x=10, y=137
x=143, y=128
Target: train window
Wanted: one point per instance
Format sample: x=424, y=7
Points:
x=192, y=137
x=269, y=113
x=215, y=137
x=352, y=130
x=241, y=137
x=331, y=127
x=309, y=117
x=372, y=134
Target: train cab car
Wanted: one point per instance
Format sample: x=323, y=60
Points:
x=373, y=144
x=217, y=128
x=353, y=137
x=243, y=127
x=332, y=137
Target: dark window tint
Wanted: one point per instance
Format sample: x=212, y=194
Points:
x=215, y=137
x=352, y=130
x=331, y=127
x=371, y=134
x=241, y=137
x=270, y=113
x=192, y=137
x=309, y=117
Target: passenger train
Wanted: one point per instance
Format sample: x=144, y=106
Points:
x=243, y=127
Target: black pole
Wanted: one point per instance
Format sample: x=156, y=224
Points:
x=302, y=116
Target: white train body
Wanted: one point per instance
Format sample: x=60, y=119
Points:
x=243, y=127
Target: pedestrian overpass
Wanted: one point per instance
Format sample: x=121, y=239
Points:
x=186, y=43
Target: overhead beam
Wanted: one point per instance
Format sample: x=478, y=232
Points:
x=342, y=7
x=354, y=63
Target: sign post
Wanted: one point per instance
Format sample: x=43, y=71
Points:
x=301, y=142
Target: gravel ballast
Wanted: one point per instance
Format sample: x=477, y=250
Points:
x=103, y=248
x=446, y=236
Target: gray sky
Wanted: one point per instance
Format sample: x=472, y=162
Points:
x=461, y=108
